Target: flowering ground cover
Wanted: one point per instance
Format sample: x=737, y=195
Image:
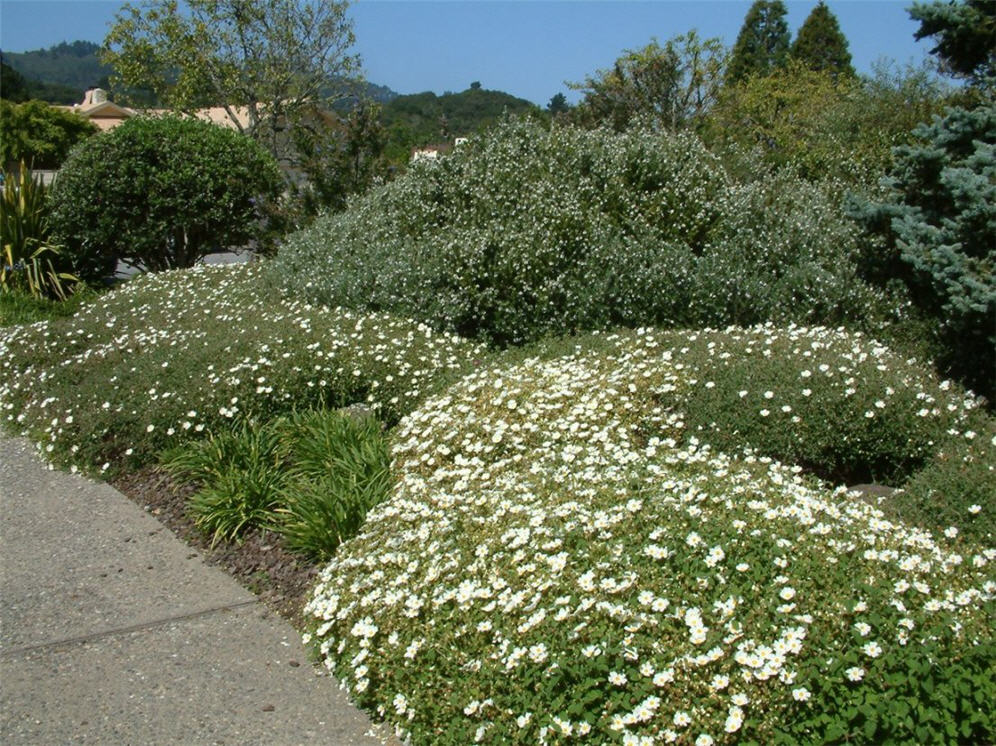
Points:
x=565, y=558
x=613, y=538
x=172, y=356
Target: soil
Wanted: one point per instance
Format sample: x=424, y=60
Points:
x=260, y=562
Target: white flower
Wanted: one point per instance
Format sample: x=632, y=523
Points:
x=974, y=509
x=617, y=679
x=855, y=673
x=871, y=649
x=801, y=694
x=682, y=719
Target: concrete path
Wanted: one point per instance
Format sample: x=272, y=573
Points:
x=113, y=631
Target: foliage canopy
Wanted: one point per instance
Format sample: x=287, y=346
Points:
x=762, y=45
x=821, y=45
x=665, y=86
x=39, y=134
x=965, y=33
x=276, y=58
x=160, y=192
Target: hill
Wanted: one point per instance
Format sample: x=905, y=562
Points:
x=424, y=118
x=60, y=74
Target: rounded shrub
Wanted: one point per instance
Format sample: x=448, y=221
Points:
x=160, y=192
x=528, y=232
x=558, y=561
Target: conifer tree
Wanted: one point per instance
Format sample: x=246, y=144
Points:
x=965, y=33
x=820, y=44
x=763, y=42
x=938, y=217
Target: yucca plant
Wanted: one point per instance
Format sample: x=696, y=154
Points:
x=27, y=260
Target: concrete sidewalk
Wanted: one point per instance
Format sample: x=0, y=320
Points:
x=112, y=630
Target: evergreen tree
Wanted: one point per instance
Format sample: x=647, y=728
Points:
x=762, y=45
x=938, y=217
x=820, y=44
x=965, y=33
x=558, y=104
x=13, y=86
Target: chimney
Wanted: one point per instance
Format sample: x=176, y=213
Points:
x=94, y=96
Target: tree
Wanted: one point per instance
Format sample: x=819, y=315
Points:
x=276, y=58
x=938, y=222
x=666, y=86
x=160, y=192
x=13, y=86
x=39, y=134
x=762, y=45
x=343, y=158
x=965, y=33
x=820, y=125
x=558, y=104
x=820, y=44
x=938, y=217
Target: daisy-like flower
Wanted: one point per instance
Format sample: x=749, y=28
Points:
x=871, y=649
x=801, y=694
x=617, y=679
x=855, y=673
x=734, y=720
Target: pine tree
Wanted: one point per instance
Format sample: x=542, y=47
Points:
x=965, y=33
x=763, y=42
x=820, y=44
x=938, y=217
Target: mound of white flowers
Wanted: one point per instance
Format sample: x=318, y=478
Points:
x=553, y=566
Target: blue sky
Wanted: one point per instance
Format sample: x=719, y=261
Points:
x=526, y=47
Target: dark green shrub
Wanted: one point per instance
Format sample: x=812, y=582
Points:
x=160, y=192
x=530, y=232
x=39, y=134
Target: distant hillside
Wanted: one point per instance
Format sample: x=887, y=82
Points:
x=62, y=73
x=424, y=118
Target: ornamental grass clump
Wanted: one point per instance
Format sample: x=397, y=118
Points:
x=310, y=476
x=562, y=559
x=529, y=232
x=174, y=356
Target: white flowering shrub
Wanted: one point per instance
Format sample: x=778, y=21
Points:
x=846, y=408
x=561, y=562
x=528, y=232
x=172, y=356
